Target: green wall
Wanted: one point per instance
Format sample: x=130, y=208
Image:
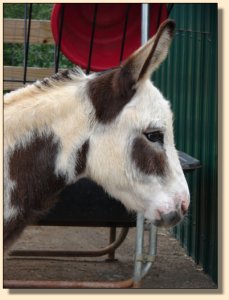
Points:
x=188, y=78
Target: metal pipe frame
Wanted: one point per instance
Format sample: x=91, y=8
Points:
x=145, y=23
x=143, y=262
x=48, y=284
x=60, y=253
x=124, y=32
x=26, y=39
x=111, y=255
x=92, y=37
x=58, y=44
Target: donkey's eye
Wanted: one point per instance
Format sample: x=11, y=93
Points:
x=155, y=136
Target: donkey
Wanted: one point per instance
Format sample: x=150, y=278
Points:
x=113, y=127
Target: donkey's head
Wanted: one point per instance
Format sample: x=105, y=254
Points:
x=132, y=153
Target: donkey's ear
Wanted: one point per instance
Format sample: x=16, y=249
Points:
x=142, y=63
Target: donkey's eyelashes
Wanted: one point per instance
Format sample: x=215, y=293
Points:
x=155, y=136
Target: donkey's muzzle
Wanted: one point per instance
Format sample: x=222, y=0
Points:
x=168, y=220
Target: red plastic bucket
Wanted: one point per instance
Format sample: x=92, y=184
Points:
x=108, y=35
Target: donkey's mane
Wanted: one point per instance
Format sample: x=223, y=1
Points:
x=58, y=79
x=38, y=105
x=61, y=77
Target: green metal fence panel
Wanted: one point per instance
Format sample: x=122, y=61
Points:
x=188, y=78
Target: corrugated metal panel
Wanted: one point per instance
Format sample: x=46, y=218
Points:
x=189, y=79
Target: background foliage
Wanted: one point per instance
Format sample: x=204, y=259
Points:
x=39, y=55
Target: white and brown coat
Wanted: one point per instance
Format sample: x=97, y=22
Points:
x=114, y=128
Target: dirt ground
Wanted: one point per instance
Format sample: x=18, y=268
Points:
x=173, y=269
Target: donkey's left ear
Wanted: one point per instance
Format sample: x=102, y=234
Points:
x=143, y=62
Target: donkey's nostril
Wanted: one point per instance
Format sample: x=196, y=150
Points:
x=169, y=219
x=184, y=207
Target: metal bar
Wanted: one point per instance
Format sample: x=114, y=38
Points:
x=139, y=247
x=124, y=32
x=153, y=240
x=25, y=37
x=92, y=38
x=57, y=48
x=26, y=40
x=111, y=255
x=25, y=25
x=48, y=284
x=159, y=16
x=140, y=217
x=17, y=80
x=145, y=23
x=170, y=7
x=106, y=250
x=152, y=249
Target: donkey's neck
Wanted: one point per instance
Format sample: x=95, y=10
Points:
x=63, y=108
x=45, y=146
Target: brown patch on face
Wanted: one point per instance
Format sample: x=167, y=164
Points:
x=32, y=168
x=82, y=158
x=149, y=160
x=110, y=92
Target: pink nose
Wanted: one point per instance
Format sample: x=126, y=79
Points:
x=182, y=203
x=184, y=207
x=170, y=217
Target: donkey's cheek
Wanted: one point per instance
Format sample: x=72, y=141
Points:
x=149, y=160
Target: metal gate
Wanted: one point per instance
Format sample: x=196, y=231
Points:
x=189, y=80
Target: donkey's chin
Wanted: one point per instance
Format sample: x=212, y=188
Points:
x=166, y=220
